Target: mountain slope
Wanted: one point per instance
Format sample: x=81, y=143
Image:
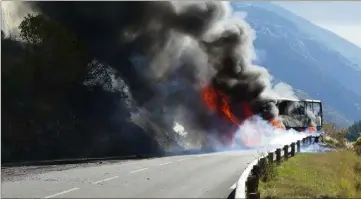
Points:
x=299, y=59
x=346, y=48
x=329, y=113
x=344, y=52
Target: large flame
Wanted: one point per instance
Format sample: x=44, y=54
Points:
x=216, y=101
x=210, y=97
x=219, y=102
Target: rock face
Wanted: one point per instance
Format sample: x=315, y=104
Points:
x=291, y=49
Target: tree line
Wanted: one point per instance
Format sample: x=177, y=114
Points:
x=354, y=131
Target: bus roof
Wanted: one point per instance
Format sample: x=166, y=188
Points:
x=300, y=100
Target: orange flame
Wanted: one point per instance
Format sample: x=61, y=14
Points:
x=210, y=96
x=312, y=129
x=218, y=101
x=278, y=124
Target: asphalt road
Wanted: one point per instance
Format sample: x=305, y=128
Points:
x=192, y=176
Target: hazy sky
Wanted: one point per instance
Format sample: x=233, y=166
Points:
x=340, y=17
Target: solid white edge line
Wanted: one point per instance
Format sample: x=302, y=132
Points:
x=61, y=193
x=241, y=183
x=138, y=170
x=107, y=179
x=233, y=186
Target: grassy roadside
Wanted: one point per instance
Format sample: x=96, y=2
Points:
x=335, y=174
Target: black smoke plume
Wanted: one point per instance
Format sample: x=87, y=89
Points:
x=166, y=52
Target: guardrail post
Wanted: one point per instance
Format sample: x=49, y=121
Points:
x=278, y=156
x=270, y=157
x=316, y=139
x=262, y=165
x=303, y=141
x=256, y=170
x=309, y=140
x=293, y=145
x=285, y=152
x=251, y=185
x=298, y=143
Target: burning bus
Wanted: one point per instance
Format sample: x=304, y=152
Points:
x=302, y=115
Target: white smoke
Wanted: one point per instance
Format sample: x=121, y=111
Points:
x=260, y=133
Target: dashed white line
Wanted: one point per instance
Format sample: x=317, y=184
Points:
x=233, y=186
x=100, y=181
x=138, y=170
x=181, y=160
x=164, y=163
x=61, y=193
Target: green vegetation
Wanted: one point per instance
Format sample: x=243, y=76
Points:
x=334, y=136
x=335, y=174
x=354, y=131
x=357, y=146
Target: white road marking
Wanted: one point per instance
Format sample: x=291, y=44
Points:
x=233, y=186
x=199, y=156
x=164, y=163
x=139, y=170
x=61, y=193
x=181, y=159
x=100, y=181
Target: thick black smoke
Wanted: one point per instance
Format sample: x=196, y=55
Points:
x=166, y=52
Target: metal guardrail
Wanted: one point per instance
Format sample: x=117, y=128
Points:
x=258, y=168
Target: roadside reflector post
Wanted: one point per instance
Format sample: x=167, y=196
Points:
x=285, y=152
x=293, y=145
x=278, y=156
x=256, y=195
x=298, y=143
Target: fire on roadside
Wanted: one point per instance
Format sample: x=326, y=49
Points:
x=277, y=123
x=216, y=101
x=219, y=102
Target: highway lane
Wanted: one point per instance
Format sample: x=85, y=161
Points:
x=193, y=176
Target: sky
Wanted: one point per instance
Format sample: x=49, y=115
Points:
x=340, y=17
